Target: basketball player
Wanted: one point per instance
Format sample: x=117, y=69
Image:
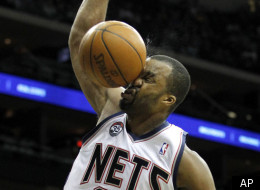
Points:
x=133, y=146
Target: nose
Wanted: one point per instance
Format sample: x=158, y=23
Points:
x=138, y=82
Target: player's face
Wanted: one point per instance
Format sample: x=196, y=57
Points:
x=146, y=92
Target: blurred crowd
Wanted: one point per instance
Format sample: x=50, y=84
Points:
x=60, y=10
x=55, y=69
x=230, y=38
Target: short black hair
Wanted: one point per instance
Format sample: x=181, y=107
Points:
x=179, y=81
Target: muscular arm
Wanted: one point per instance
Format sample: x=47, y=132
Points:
x=90, y=13
x=194, y=173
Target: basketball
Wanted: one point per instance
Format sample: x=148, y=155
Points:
x=112, y=53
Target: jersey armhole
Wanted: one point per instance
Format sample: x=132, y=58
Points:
x=177, y=162
x=97, y=127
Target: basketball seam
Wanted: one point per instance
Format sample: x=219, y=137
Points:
x=113, y=58
x=124, y=40
x=117, y=25
x=90, y=57
x=113, y=25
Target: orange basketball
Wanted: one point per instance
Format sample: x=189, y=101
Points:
x=112, y=53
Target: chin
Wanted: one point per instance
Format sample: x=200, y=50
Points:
x=127, y=107
x=124, y=105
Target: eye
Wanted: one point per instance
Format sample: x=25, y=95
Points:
x=149, y=79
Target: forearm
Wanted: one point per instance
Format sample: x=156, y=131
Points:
x=90, y=13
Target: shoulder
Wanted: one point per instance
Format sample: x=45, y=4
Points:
x=194, y=173
x=119, y=116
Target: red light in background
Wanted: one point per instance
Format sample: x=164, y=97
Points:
x=79, y=143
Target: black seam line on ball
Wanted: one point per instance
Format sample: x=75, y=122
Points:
x=90, y=59
x=113, y=57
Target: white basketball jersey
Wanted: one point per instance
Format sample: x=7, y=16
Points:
x=111, y=157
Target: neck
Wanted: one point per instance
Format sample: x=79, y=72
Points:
x=140, y=125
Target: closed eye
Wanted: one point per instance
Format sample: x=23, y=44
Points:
x=148, y=77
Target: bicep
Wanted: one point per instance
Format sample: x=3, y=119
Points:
x=194, y=173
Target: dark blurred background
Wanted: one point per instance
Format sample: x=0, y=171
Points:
x=218, y=41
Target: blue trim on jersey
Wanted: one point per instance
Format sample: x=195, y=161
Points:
x=177, y=163
x=92, y=131
x=149, y=134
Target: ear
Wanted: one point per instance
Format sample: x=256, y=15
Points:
x=169, y=100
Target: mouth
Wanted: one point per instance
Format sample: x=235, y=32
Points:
x=129, y=94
